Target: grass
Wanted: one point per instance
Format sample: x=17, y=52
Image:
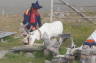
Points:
x=10, y=42
x=79, y=31
x=21, y=58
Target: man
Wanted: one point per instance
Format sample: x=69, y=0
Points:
x=32, y=19
x=35, y=19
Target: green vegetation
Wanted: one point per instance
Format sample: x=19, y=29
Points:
x=78, y=30
x=10, y=42
x=21, y=58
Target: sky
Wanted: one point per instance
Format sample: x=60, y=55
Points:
x=18, y=6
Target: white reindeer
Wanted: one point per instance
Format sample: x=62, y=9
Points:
x=51, y=29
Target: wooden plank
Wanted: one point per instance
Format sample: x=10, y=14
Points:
x=27, y=48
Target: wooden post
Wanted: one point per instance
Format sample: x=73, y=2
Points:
x=51, y=16
x=88, y=55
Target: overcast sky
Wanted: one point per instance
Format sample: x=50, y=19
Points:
x=17, y=6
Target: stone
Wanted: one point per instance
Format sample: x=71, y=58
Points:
x=3, y=53
x=46, y=52
x=29, y=54
x=47, y=61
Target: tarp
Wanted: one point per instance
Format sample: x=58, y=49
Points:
x=5, y=34
x=92, y=36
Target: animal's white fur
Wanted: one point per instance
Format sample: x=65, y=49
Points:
x=51, y=29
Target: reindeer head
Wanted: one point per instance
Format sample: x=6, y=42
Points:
x=31, y=37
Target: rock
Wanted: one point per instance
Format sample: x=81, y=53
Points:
x=46, y=52
x=28, y=54
x=47, y=61
x=29, y=62
x=3, y=53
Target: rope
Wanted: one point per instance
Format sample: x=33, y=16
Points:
x=77, y=11
x=39, y=33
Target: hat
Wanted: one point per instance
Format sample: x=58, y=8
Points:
x=36, y=5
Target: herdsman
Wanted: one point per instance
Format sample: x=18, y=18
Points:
x=35, y=19
x=32, y=19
